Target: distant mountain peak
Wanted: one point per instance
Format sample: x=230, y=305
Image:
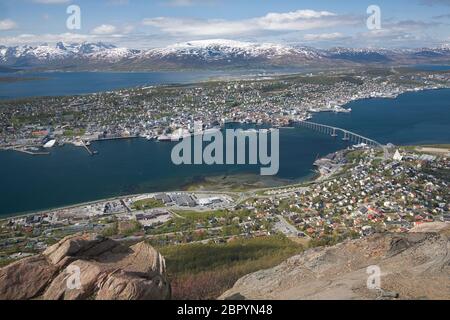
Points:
x=215, y=53
x=223, y=49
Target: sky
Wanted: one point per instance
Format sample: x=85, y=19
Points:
x=142, y=24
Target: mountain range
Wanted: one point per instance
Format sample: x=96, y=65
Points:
x=217, y=53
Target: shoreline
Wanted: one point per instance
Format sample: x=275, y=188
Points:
x=316, y=111
x=222, y=75
x=314, y=177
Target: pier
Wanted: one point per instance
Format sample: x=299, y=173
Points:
x=33, y=153
x=87, y=149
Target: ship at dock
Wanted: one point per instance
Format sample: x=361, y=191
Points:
x=50, y=144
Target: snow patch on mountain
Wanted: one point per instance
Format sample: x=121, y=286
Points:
x=213, y=52
x=62, y=51
x=217, y=49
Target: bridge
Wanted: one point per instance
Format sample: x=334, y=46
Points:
x=346, y=134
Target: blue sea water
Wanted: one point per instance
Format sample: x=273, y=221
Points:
x=70, y=176
x=432, y=67
x=74, y=83
x=412, y=118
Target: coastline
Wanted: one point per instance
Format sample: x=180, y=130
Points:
x=341, y=109
x=310, y=179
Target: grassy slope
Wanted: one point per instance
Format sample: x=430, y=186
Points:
x=206, y=271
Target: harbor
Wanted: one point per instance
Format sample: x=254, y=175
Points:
x=131, y=166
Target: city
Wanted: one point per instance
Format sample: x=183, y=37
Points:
x=168, y=113
x=223, y=159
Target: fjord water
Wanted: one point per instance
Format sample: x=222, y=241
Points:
x=34, y=84
x=74, y=83
x=70, y=176
x=412, y=118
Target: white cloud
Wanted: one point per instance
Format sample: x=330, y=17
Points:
x=104, y=29
x=323, y=36
x=127, y=29
x=289, y=21
x=7, y=24
x=33, y=39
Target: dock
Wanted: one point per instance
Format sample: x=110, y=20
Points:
x=31, y=152
x=87, y=149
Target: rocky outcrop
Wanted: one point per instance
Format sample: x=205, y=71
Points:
x=26, y=278
x=88, y=267
x=413, y=265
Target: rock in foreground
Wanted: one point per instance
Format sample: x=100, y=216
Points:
x=107, y=270
x=413, y=266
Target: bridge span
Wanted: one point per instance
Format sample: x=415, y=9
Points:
x=346, y=134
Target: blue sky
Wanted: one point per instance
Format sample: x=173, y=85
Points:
x=154, y=23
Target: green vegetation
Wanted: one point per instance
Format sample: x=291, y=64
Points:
x=147, y=204
x=332, y=238
x=354, y=156
x=316, y=79
x=439, y=146
x=193, y=220
x=276, y=86
x=129, y=228
x=439, y=173
x=203, y=215
x=74, y=132
x=5, y=262
x=112, y=230
x=201, y=271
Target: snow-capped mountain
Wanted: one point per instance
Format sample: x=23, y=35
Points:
x=383, y=55
x=189, y=54
x=216, y=49
x=223, y=54
x=216, y=53
x=359, y=54
x=13, y=55
x=28, y=56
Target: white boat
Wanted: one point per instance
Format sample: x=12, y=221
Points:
x=50, y=144
x=164, y=138
x=211, y=131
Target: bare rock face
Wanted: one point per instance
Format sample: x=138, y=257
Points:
x=26, y=278
x=123, y=286
x=88, y=267
x=412, y=266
